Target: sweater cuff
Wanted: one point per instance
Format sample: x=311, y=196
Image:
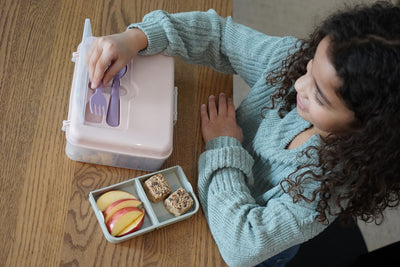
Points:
x=222, y=141
x=156, y=38
x=226, y=152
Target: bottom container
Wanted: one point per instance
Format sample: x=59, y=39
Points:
x=156, y=214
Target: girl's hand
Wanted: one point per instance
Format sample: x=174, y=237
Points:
x=219, y=121
x=109, y=54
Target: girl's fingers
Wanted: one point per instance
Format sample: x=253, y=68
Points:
x=222, y=106
x=100, y=67
x=93, y=57
x=111, y=71
x=204, y=114
x=231, y=108
x=212, y=109
x=101, y=55
x=225, y=107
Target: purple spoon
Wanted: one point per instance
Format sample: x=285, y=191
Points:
x=113, y=108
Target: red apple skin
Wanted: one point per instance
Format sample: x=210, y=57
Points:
x=119, y=215
x=127, y=202
x=133, y=227
x=107, y=198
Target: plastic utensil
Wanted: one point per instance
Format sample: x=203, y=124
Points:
x=113, y=108
x=98, y=102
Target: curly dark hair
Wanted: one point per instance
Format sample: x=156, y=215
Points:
x=365, y=51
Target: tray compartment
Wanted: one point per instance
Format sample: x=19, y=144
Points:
x=176, y=179
x=156, y=214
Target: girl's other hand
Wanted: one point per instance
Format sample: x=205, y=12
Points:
x=109, y=54
x=219, y=121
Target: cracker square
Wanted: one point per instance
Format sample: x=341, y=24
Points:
x=178, y=202
x=157, y=188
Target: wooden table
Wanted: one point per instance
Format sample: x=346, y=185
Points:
x=46, y=217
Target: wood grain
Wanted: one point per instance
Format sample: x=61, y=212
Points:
x=47, y=219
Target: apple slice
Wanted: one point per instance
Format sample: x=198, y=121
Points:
x=122, y=218
x=134, y=226
x=109, y=197
x=119, y=204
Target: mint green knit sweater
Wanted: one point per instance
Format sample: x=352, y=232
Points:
x=250, y=217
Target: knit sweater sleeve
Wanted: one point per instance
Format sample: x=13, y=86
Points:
x=246, y=232
x=205, y=38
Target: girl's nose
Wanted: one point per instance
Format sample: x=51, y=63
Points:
x=301, y=85
x=304, y=82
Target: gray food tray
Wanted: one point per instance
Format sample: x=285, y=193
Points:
x=156, y=214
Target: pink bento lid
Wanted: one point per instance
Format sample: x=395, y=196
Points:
x=147, y=104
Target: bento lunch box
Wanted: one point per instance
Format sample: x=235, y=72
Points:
x=148, y=103
x=156, y=215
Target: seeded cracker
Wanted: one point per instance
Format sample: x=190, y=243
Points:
x=178, y=202
x=157, y=188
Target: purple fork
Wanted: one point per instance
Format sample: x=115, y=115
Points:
x=98, y=102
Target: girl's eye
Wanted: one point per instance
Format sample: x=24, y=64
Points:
x=317, y=98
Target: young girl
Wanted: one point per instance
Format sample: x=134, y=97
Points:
x=321, y=124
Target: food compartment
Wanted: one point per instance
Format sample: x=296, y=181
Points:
x=176, y=179
x=156, y=215
x=131, y=186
